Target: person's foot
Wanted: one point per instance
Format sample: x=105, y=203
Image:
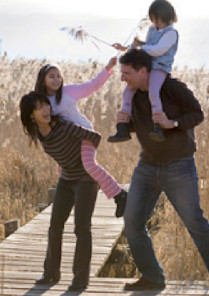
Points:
x=77, y=287
x=144, y=284
x=47, y=280
x=157, y=133
x=120, y=201
x=121, y=135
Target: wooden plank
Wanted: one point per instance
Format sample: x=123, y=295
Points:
x=24, y=252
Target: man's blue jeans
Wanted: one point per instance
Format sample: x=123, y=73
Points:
x=179, y=181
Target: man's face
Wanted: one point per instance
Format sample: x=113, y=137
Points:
x=134, y=79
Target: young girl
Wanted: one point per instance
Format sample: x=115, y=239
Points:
x=161, y=44
x=63, y=100
x=61, y=139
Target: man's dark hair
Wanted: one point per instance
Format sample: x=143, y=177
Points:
x=136, y=58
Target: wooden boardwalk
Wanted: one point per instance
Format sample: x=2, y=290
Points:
x=22, y=255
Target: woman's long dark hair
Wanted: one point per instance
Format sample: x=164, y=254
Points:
x=28, y=104
x=40, y=82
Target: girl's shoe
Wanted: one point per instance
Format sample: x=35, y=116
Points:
x=120, y=201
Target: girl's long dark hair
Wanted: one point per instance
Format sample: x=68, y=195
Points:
x=28, y=104
x=40, y=82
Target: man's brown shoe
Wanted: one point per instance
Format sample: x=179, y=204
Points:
x=144, y=284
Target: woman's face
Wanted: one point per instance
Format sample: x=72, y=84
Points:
x=42, y=113
x=53, y=81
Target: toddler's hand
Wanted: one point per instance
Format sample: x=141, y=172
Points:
x=118, y=46
x=137, y=43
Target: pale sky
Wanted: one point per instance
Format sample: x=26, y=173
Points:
x=30, y=28
x=106, y=8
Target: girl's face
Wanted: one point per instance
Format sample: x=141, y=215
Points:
x=42, y=113
x=158, y=23
x=53, y=81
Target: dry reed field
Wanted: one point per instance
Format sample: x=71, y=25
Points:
x=27, y=173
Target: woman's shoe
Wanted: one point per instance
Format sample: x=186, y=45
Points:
x=47, y=280
x=77, y=287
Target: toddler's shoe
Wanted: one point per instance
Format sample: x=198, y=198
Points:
x=157, y=134
x=122, y=133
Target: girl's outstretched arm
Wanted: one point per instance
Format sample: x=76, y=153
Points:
x=83, y=90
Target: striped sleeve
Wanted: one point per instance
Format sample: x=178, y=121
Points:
x=82, y=133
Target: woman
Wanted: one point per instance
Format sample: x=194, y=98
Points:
x=62, y=140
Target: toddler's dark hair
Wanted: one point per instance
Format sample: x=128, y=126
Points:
x=164, y=10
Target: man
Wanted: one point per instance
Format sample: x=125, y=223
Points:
x=167, y=166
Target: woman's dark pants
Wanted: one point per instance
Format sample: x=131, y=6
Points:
x=82, y=195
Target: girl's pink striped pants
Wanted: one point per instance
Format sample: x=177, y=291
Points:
x=107, y=183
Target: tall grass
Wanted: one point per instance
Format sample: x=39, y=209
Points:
x=26, y=173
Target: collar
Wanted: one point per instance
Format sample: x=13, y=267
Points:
x=163, y=29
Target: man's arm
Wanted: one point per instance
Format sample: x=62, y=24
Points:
x=191, y=114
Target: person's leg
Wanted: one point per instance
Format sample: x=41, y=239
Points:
x=62, y=205
x=107, y=183
x=127, y=97
x=122, y=133
x=181, y=187
x=142, y=196
x=85, y=197
x=156, y=80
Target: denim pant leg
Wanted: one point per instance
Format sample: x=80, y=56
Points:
x=181, y=186
x=143, y=194
x=85, y=197
x=62, y=205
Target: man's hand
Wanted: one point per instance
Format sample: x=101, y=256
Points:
x=122, y=116
x=163, y=120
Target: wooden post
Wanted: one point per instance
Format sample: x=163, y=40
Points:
x=2, y=275
x=10, y=227
x=51, y=192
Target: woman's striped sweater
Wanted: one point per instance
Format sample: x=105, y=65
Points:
x=63, y=144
